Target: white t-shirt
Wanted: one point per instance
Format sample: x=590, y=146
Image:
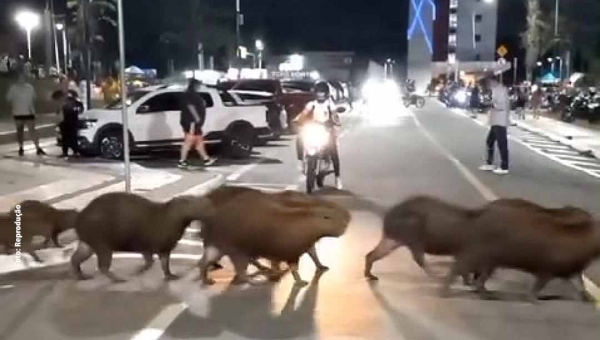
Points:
x=22, y=99
x=321, y=110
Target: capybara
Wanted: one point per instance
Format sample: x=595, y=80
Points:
x=131, y=223
x=529, y=238
x=34, y=218
x=223, y=194
x=254, y=225
x=424, y=224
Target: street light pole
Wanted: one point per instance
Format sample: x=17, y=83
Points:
x=238, y=23
x=124, y=97
x=28, y=21
x=260, y=47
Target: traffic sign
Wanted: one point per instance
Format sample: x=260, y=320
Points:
x=502, y=51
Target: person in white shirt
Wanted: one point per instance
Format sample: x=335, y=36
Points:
x=499, y=121
x=322, y=110
x=21, y=96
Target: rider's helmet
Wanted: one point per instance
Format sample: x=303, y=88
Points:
x=321, y=90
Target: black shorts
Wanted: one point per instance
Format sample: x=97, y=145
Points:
x=186, y=129
x=28, y=117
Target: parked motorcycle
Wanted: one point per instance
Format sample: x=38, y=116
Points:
x=413, y=99
x=316, y=139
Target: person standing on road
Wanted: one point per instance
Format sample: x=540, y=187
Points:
x=21, y=96
x=193, y=114
x=71, y=109
x=499, y=120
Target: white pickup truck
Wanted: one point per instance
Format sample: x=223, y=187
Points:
x=153, y=119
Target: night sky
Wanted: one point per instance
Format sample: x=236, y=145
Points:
x=373, y=27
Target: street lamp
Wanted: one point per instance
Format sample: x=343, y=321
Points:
x=61, y=28
x=260, y=47
x=28, y=21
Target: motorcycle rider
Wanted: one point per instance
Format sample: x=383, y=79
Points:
x=321, y=110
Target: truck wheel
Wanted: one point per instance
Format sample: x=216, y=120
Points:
x=239, y=140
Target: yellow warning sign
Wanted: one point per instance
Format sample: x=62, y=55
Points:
x=502, y=51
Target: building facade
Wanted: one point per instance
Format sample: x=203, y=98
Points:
x=465, y=30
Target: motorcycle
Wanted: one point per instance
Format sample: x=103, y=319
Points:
x=316, y=139
x=413, y=99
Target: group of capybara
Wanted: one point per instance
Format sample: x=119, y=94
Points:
x=246, y=225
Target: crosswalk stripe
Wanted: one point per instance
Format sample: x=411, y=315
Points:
x=575, y=158
x=52, y=190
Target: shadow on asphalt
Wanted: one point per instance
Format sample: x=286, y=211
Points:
x=247, y=312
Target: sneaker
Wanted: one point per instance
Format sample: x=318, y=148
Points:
x=501, y=171
x=21, y=152
x=487, y=167
x=182, y=164
x=338, y=184
x=210, y=161
x=40, y=152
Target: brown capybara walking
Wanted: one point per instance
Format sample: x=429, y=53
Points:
x=254, y=225
x=131, y=223
x=529, y=238
x=223, y=194
x=34, y=218
x=425, y=225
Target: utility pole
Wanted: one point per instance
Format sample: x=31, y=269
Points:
x=87, y=57
x=238, y=23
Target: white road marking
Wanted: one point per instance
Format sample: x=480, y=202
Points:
x=292, y=187
x=489, y=195
x=191, y=243
x=156, y=328
x=246, y=168
x=203, y=188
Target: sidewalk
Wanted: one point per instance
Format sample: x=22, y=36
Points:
x=582, y=137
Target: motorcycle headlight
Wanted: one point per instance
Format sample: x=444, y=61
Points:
x=314, y=136
x=461, y=96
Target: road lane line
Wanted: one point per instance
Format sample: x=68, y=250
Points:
x=157, y=327
x=246, y=168
x=291, y=187
x=203, y=188
x=489, y=195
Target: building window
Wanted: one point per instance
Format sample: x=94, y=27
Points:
x=453, y=3
x=477, y=37
x=478, y=18
x=452, y=58
x=452, y=39
x=453, y=20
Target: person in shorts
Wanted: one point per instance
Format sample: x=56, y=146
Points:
x=21, y=96
x=193, y=115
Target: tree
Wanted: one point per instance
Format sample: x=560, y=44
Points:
x=535, y=38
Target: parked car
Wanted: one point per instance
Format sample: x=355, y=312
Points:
x=153, y=116
x=291, y=97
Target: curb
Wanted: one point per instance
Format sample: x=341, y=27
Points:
x=558, y=139
x=60, y=256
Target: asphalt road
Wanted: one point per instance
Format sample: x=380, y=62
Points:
x=384, y=160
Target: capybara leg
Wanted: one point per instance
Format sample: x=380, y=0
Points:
x=240, y=263
x=30, y=251
x=82, y=253
x=584, y=295
x=104, y=262
x=383, y=249
x=482, y=278
x=418, y=255
x=259, y=265
x=148, y=262
x=209, y=256
x=459, y=267
x=312, y=252
x=54, y=238
x=165, y=264
x=298, y=280
x=540, y=283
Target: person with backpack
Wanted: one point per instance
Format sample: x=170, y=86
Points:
x=321, y=110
